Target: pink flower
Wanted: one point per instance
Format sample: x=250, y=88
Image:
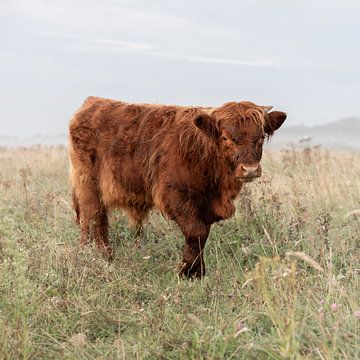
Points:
x=334, y=307
x=240, y=325
x=356, y=314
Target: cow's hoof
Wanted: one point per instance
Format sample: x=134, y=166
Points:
x=190, y=271
x=107, y=252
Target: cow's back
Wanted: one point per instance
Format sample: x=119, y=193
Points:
x=116, y=142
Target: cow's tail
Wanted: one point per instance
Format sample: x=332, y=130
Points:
x=76, y=206
x=72, y=179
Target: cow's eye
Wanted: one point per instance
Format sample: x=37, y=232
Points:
x=224, y=138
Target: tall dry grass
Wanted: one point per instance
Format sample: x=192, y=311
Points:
x=283, y=274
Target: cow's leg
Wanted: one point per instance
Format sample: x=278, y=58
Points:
x=193, y=256
x=93, y=216
x=185, y=213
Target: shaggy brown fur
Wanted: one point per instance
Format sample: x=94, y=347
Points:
x=188, y=162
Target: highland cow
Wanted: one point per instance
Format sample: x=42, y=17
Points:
x=188, y=162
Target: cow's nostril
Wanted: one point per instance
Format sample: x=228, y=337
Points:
x=250, y=168
x=250, y=171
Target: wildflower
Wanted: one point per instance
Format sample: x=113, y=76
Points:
x=334, y=307
x=240, y=328
x=78, y=340
x=356, y=314
x=240, y=325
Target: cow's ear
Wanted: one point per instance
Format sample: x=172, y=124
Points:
x=273, y=120
x=207, y=125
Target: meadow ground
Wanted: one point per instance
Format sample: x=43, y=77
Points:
x=282, y=275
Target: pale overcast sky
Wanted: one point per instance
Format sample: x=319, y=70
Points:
x=300, y=56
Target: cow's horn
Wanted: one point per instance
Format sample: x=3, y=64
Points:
x=267, y=108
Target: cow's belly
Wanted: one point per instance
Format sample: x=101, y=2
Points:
x=122, y=186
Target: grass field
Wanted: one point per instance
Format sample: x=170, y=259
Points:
x=282, y=275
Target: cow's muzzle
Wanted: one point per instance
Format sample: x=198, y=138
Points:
x=248, y=172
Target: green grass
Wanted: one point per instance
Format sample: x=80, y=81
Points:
x=258, y=301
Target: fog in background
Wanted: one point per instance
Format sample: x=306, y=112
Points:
x=300, y=56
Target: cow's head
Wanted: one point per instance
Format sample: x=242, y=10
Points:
x=243, y=128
